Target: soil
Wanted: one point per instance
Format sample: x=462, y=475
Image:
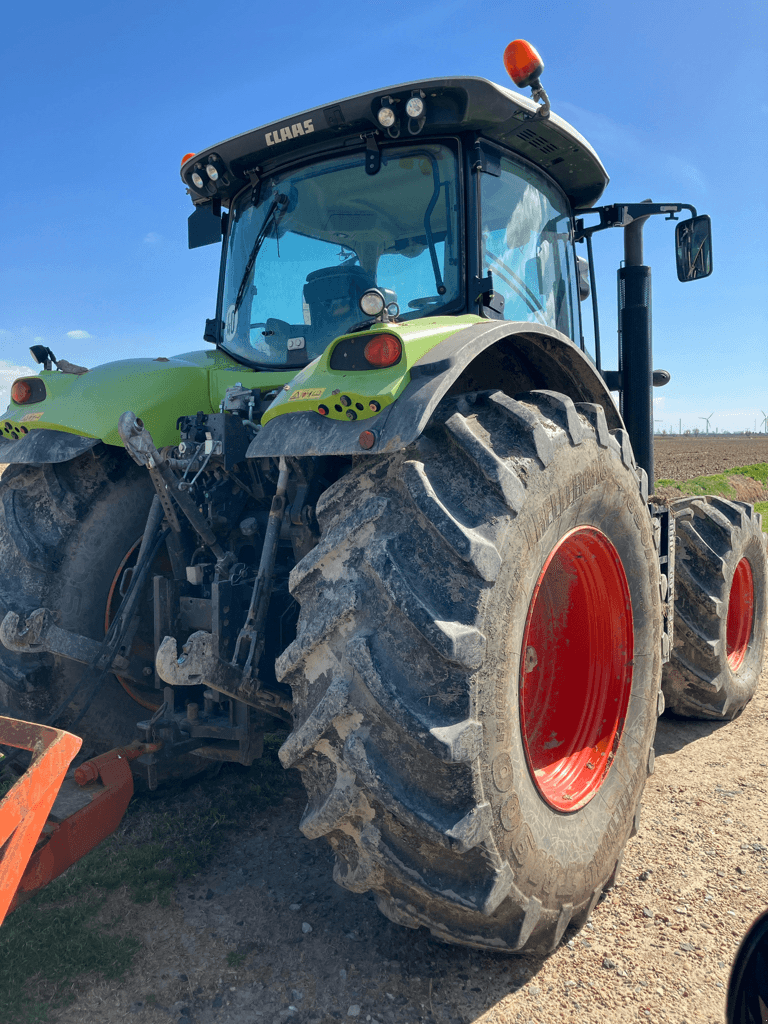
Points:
x=680, y=458
x=658, y=948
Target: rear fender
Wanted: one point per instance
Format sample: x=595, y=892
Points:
x=514, y=357
x=42, y=445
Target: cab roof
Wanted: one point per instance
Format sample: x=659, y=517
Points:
x=451, y=105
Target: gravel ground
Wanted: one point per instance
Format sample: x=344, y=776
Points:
x=266, y=936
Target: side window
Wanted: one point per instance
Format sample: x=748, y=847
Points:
x=528, y=247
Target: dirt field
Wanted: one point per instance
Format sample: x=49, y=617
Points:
x=680, y=458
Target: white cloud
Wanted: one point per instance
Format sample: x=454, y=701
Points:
x=39, y=339
x=152, y=238
x=8, y=374
x=79, y=335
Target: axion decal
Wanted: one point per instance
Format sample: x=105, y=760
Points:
x=290, y=131
x=297, y=396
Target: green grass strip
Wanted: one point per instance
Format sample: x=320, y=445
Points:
x=55, y=938
x=716, y=484
x=762, y=508
x=719, y=483
x=758, y=472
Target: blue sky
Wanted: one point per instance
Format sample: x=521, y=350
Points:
x=100, y=102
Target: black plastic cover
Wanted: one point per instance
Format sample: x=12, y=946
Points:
x=203, y=226
x=44, y=445
x=452, y=105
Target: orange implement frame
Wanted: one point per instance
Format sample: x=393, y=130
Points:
x=107, y=785
x=24, y=809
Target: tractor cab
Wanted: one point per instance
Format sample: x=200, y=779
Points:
x=448, y=196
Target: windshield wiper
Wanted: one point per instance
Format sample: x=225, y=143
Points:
x=280, y=201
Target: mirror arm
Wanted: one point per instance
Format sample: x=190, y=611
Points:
x=621, y=215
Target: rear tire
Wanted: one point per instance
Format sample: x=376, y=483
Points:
x=720, y=608
x=64, y=530
x=438, y=576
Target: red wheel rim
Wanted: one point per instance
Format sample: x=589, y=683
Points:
x=741, y=613
x=576, y=668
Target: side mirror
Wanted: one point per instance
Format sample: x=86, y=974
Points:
x=747, y=1000
x=693, y=247
x=204, y=226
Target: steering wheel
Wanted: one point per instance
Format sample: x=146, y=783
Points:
x=425, y=303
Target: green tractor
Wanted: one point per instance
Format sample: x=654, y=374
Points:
x=394, y=505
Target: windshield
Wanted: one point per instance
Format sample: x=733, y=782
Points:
x=528, y=247
x=300, y=257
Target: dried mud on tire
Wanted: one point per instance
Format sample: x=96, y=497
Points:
x=657, y=949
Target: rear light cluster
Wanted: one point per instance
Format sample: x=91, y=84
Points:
x=29, y=391
x=366, y=352
x=21, y=392
x=383, y=350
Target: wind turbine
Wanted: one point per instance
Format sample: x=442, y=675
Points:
x=765, y=422
x=707, y=418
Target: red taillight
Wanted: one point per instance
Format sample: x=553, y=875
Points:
x=523, y=63
x=383, y=350
x=21, y=392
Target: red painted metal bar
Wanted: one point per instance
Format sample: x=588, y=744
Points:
x=25, y=807
x=24, y=870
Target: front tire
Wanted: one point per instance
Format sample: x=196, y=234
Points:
x=720, y=608
x=483, y=608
